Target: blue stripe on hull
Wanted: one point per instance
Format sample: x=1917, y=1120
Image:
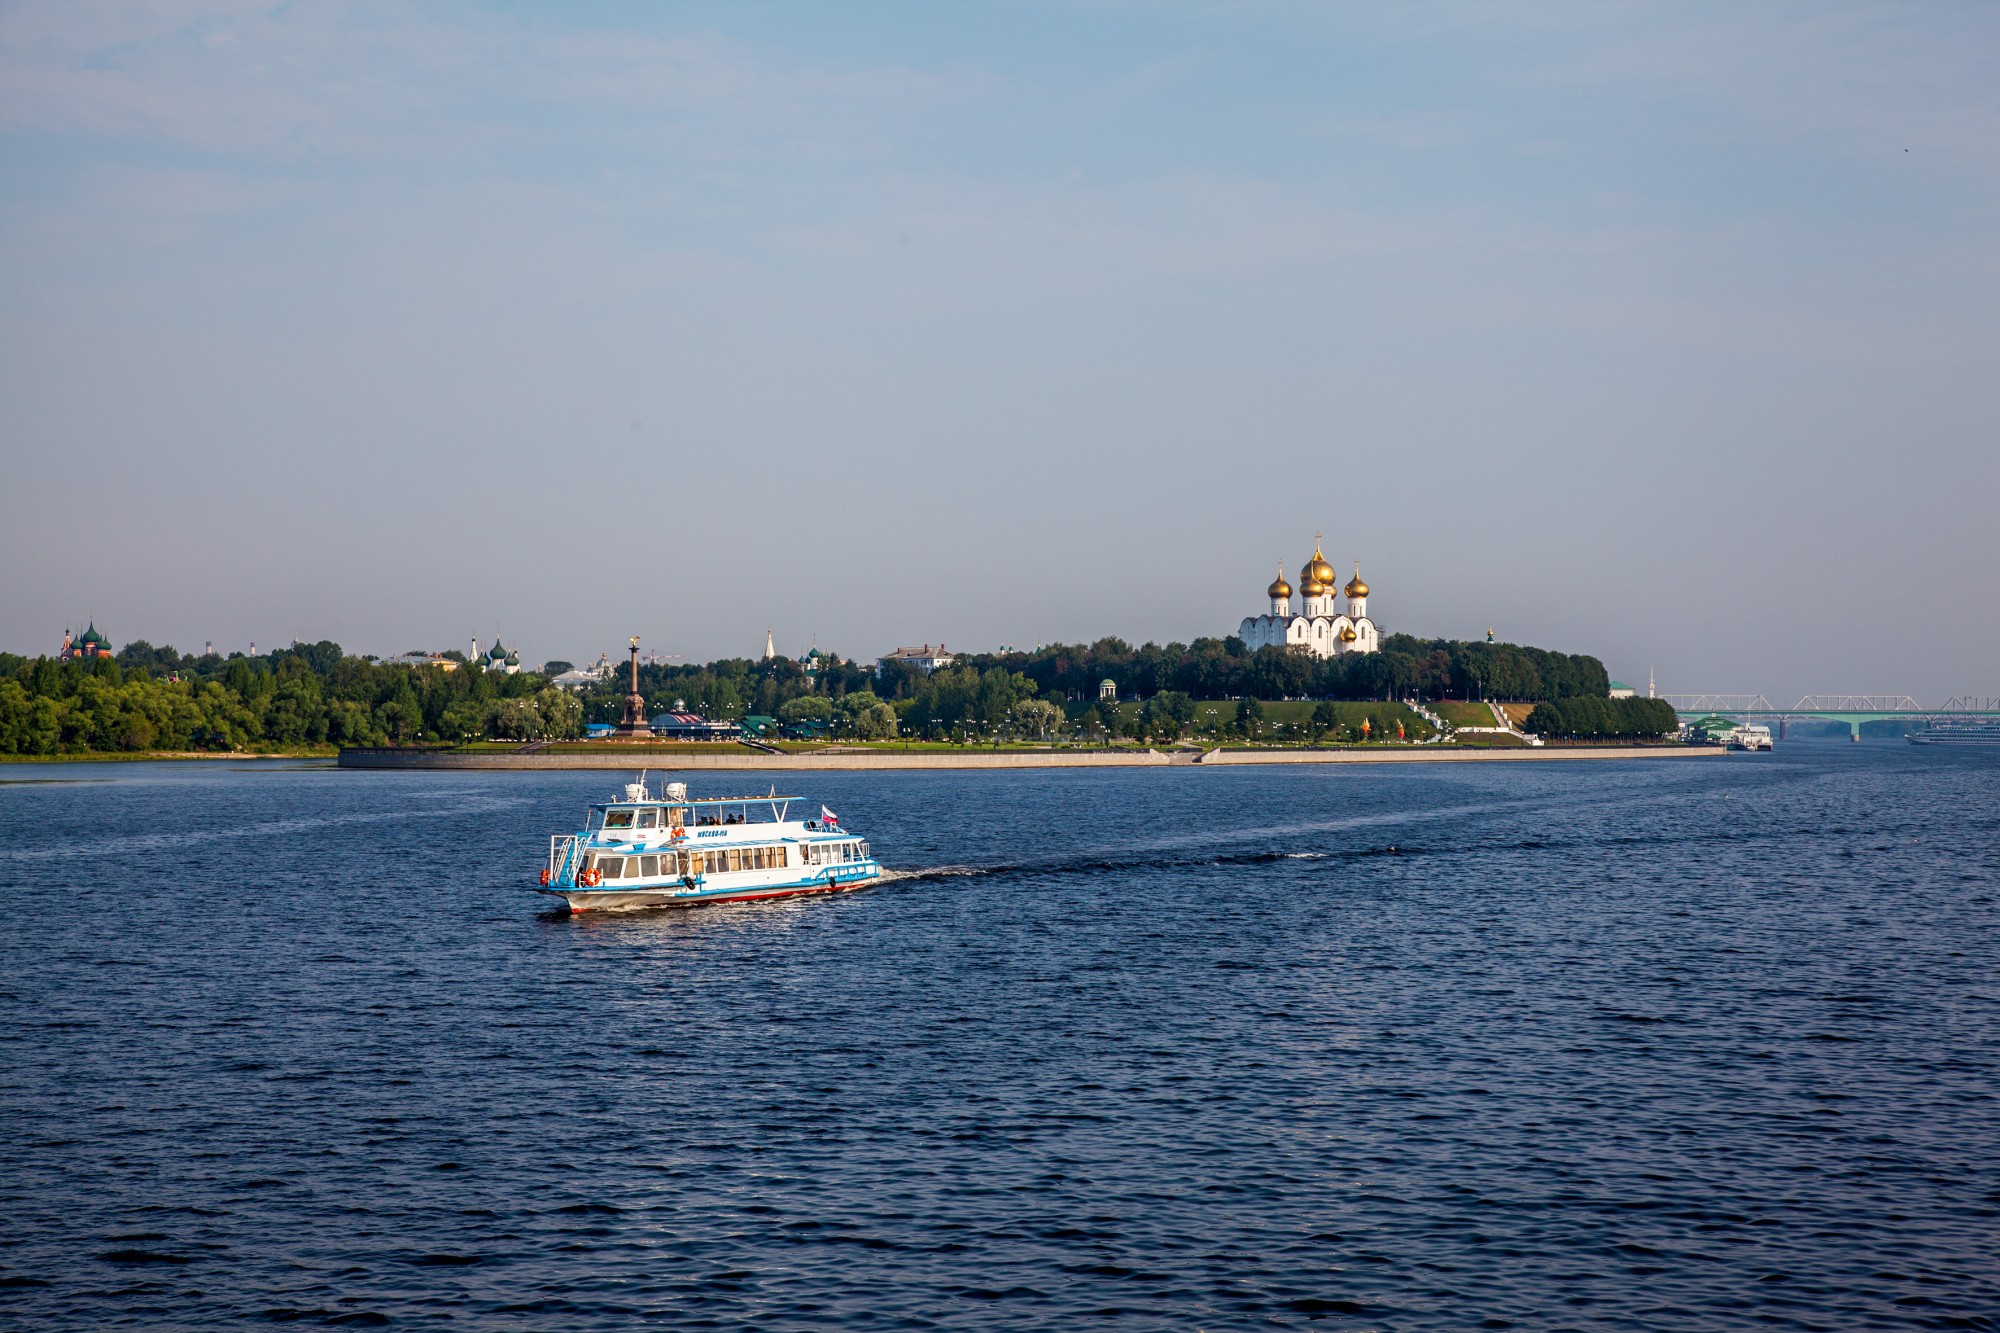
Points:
x=665, y=895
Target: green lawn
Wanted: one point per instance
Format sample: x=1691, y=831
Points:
x=1462, y=714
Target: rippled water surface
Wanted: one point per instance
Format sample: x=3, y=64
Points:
x=1702, y=1043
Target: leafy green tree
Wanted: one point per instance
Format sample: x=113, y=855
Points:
x=1545, y=720
x=807, y=708
x=349, y=723
x=561, y=713
x=850, y=707
x=464, y=720
x=1168, y=715
x=875, y=722
x=1037, y=717
x=1250, y=716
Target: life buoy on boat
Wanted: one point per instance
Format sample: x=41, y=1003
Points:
x=546, y=876
x=590, y=879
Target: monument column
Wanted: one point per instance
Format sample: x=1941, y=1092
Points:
x=634, y=726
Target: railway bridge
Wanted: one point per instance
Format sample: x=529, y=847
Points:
x=1853, y=709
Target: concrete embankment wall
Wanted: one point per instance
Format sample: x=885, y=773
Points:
x=744, y=761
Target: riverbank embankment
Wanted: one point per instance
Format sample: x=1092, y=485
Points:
x=991, y=759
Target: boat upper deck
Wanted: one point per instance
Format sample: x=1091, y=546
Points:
x=638, y=816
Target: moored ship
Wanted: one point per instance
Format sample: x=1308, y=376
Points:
x=1750, y=736
x=1958, y=731
x=673, y=851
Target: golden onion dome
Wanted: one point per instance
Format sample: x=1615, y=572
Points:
x=1318, y=571
x=1347, y=634
x=1355, y=587
x=1279, y=589
x=1310, y=586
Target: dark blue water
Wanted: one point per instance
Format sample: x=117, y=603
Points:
x=1691, y=1044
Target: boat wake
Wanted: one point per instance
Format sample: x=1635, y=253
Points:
x=1069, y=868
x=889, y=876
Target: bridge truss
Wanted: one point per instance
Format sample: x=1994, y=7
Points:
x=1853, y=709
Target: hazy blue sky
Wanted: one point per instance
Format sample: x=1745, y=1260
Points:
x=1664, y=332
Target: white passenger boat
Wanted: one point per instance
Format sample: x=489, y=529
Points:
x=1751, y=736
x=1959, y=731
x=671, y=851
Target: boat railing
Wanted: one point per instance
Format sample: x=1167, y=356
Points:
x=562, y=851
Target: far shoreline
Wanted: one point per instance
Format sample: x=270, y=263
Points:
x=408, y=761
x=876, y=761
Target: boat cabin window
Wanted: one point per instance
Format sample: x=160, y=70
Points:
x=613, y=867
x=618, y=818
x=649, y=819
x=649, y=867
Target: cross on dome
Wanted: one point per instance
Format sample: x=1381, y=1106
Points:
x=1317, y=571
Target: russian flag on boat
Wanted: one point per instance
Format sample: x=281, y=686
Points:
x=828, y=816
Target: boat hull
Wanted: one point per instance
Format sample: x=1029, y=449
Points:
x=625, y=900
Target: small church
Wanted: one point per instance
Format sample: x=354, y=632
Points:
x=503, y=661
x=82, y=649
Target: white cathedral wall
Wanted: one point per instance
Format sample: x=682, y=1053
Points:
x=1319, y=634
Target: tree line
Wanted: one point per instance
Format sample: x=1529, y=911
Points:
x=1589, y=719
x=1404, y=667
x=308, y=695
x=312, y=695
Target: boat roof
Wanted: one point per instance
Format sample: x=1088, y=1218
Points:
x=710, y=800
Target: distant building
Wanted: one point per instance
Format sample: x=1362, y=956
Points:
x=1620, y=690
x=421, y=660
x=1107, y=691
x=582, y=678
x=1320, y=627
x=502, y=661
x=685, y=726
x=926, y=659
x=89, y=646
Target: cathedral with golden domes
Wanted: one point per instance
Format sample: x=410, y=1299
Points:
x=1320, y=626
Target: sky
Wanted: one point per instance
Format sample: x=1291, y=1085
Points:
x=1668, y=333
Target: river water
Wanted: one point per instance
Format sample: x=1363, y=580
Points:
x=1710, y=1043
